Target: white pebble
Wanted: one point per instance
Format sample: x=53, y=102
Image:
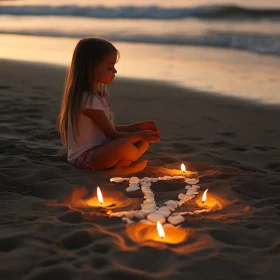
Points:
x=178, y=177
x=148, y=204
x=118, y=214
x=164, y=212
x=156, y=217
x=200, y=211
x=188, y=187
x=149, y=194
x=145, y=179
x=134, y=180
x=147, y=211
x=118, y=179
x=149, y=197
x=182, y=196
x=189, y=197
x=154, y=180
x=146, y=189
x=166, y=208
x=130, y=215
x=148, y=208
x=196, y=187
x=175, y=220
x=167, y=225
x=128, y=221
x=191, y=181
x=185, y=213
x=145, y=221
x=132, y=188
x=139, y=215
x=146, y=185
x=191, y=192
x=171, y=203
x=168, y=177
x=180, y=203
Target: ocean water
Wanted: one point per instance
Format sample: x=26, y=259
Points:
x=221, y=46
x=251, y=25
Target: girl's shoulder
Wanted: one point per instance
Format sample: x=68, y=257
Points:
x=94, y=101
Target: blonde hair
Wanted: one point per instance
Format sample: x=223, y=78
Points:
x=88, y=53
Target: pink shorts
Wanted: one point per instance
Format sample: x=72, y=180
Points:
x=84, y=160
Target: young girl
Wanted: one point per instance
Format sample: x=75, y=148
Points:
x=86, y=121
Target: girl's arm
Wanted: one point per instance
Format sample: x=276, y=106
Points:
x=134, y=127
x=101, y=120
x=138, y=126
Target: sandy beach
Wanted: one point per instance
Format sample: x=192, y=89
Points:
x=230, y=145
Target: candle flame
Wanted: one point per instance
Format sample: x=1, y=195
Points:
x=99, y=195
x=204, y=196
x=160, y=230
x=183, y=167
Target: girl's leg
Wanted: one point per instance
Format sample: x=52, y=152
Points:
x=142, y=147
x=118, y=150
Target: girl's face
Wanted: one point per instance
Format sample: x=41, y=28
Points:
x=105, y=72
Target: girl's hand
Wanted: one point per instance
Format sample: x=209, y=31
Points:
x=148, y=125
x=150, y=136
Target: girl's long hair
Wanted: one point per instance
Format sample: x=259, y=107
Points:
x=88, y=53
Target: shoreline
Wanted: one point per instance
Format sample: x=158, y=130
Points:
x=227, y=72
x=155, y=82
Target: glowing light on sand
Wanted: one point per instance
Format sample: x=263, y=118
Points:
x=183, y=168
x=99, y=196
x=160, y=230
x=204, y=196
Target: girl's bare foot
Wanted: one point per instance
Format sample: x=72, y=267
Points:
x=134, y=167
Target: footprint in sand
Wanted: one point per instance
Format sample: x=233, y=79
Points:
x=99, y=262
x=194, y=138
x=102, y=248
x=240, y=149
x=3, y=87
x=8, y=244
x=275, y=166
x=253, y=226
x=264, y=148
x=211, y=119
x=227, y=134
x=218, y=144
x=77, y=240
x=72, y=217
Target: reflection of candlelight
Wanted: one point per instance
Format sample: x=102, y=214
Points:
x=141, y=232
x=204, y=196
x=210, y=201
x=99, y=196
x=160, y=230
x=183, y=168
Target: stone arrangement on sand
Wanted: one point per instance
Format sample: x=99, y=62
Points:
x=150, y=211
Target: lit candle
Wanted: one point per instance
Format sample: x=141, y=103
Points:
x=204, y=196
x=183, y=168
x=160, y=230
x=142, y=232
x=209, y=201
x=99, y=196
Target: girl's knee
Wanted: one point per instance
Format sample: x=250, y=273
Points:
x=126, y=149
x=123, y=142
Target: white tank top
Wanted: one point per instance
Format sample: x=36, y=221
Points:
x=90, y=135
